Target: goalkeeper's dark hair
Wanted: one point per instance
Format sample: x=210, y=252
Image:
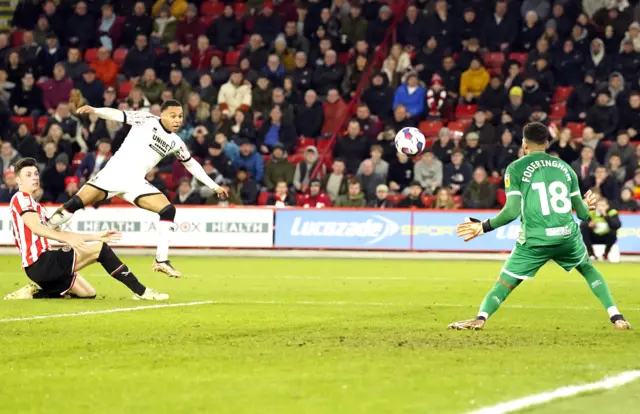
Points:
x=24, y=163
x=169, y=103
x=536, y=133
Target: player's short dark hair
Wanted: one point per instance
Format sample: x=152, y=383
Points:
x=169, y=103
x=24, y=163
x=536, y=132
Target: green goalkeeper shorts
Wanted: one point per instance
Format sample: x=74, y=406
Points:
x=525, y=261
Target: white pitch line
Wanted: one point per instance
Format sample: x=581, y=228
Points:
x=562, y=392
x=104, y=311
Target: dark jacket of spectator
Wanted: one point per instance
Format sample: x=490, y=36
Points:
x=481, y=195
x=352, y=150
x=569, y=68
x=487, y=133
x=288, y=200
x=535, y=96
x=81, y=27
x=309, y=120
x=603, y=119
x=135, y=25
x=88, y=165
x=630, y=118
x=400, y=173
x=609, y=188
x=369, y=183
x=502, y=156
x=328, y=77
x=376, y=31
x=414, y=34
x=580, y=100
x=137, y=61
x=268, y=27
x=495, y=34
x=47, y=59
x=31, y=99
x=257, y=57
x=7, y=193
x=410, y=202
x=566, y=152
x=192, y=198
x=460, y=175
x=494, y=99
x=253, y=163
x=225, y=32
x=188, y=31
x=600, y=63
x=165, y=62
x=247, y=190
x=628, y=64
x=302, y=79
x=443, y=151
x=93, y=92
x=584, y=172
x=379, y=99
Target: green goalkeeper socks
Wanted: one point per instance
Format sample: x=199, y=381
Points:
x=598, y=286
x=497, y=295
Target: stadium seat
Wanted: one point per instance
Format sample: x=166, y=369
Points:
x=430, y=128
x=168, y=180
x=27, y=120
x=562, y=94
x=295, y=159
x=493, y=60
x=519, y=57
x=576, y=128
x=300, y=199
x=458, y=200
x=304, y=143
x=427, y=200
x=240, y=9
x=90, y=55
x=16, y=38
x=210, y=8
x=231, y=58
x=77, y=159
x=428, y=142
x=262, y=198
x=323, y=145
x=258, y=123
x=558, y=111
x=206, y=20
x=343, y=58
x=501, y=197
x=42, y=122
x=124, y=89
x=465, y=111
x=395, y=199
x=494, y=180
x=119, y=55
x=459, y=125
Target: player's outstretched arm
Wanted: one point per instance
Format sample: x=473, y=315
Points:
x=104, y=113
x=32, y=220
x=580, y=205
x=197, y=171
x=473, y=227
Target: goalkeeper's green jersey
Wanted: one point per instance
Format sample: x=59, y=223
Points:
x=546, y=185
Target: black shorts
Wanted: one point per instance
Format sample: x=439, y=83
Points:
x=54, y=272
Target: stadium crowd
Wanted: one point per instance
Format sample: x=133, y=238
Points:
x=266, y=88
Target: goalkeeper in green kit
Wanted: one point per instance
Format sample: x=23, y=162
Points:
x=542, y=190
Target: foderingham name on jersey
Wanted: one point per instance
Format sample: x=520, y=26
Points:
x=531, y=168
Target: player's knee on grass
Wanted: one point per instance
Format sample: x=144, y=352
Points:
x=168, y=213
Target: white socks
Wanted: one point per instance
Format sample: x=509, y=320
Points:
x=165, y=228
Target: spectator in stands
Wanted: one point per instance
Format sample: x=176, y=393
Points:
x=544, y=76
x=581, y=99
x=530, y=31
x=199, y=143
x=50, y=54
x=589, y=139
x=616, y=169
x=601, y=228
x=352, y=147
x=189, y=30
x=380, y=166
x=186, y=194
x=382, y=192
x=235, y=94
x=52, y=178
x=178, y=8
x=516, y=110
x=281, y=197
x=369, y=179
x=480, y=193
x=9, y=187
x=91, y=88
x=475, y=154
x=267, y=24
x=377, y=29
x=41, y=30
x=353, y=26
x=628, y=62
x=379, y=97
x=473, y=81
x=443, y=146
x=504, y=154
x=569, y=64
x=411, y=94
x=598, y=61
x=278, y=168
x=28, y=50
x=624, y=149
x=354, y=196
x=202, y=53
x=428, y=172
x=304, y=169
x=630, y=116
x=47, y=153
x=444, y=200
x=15, y=68
x=329, y=74
x=603, y=117
x=109, y=28
x=27, y=99
x=220, y=161
x=627, y=203
x=315, y=198
x=203, y=191
x=274, y=70
x=165, y=27
x=151, y=87
x=486, y=132
x=8, y=156
x=195, y=110
x=93, y=162
x=109, y=98
x=586, y=165
x=251, y=161
x=139, y=58
x=62, y=116
x=276, y=130
x=205, y=89
x=494, y=98
x=400, y=173
x=457, y=174
x=256, y=52
x=71, y=186
x=413, y=198
x=56, y=90
x=353, y=76
x=302, y=74
x=334, y=111
x=501, y=29
x=412, y=31
x=261, y=96
x=436, y=98
x=533, y=95
x=470, y=52
x=241, y=127
x=105, y=68
x=309, y=116
x=605, y=183
x=25, y=142
x=217, y=124
x=80, y=27
x=563, y=147
x=634, y=184
x=335, y=183
x=168, y=60
x=616, y=88
x=138, y=23
x=368, y=124
x=225, y=33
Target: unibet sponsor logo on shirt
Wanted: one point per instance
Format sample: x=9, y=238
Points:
x=97, y=226
x=237, y=227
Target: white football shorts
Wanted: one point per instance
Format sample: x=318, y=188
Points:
x=128, y=188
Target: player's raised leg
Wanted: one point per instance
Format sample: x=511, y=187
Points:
x=88, y=194
x=103, y=254
x=159, y=204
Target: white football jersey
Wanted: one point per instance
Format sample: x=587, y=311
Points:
x=145, y=145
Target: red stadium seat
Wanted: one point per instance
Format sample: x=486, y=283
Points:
x=262, y=198
x=323, y=145
x=427, y=200
x=119, y=55
x=16, y=38
x=211, y=8
x=343, y=58
x=304, y=143
x=562, y=93
x=300, y=199
x=240, y=9
x=27, y=120
x=459, y=125
x=501, y=197
x=124, y=89
x=428, y=143
x=395, y=199
x=519, y=57
x=77, y=159
x=494, y=180
x=558, y=111
x=493, y=60
x=576, y=128
x=206, y=20
x=458, y=200
x=168, y=180
x=258, y=123
x=42, y=122
x=430, y=128
x=90, y=55
x=231, y=58
x=465, y=111
x=295, y=159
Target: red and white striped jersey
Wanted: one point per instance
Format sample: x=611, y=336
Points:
x=29, y=245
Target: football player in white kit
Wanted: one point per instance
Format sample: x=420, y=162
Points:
x=149, y=141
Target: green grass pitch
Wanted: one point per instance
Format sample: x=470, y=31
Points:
x=317, y=336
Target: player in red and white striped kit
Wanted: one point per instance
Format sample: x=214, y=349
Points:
x=55, y=271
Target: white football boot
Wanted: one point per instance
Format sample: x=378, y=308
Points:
x=151, y=294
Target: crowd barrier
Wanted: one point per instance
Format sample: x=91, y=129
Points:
x=299, y=228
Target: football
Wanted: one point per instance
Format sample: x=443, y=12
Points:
x=410, y=141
